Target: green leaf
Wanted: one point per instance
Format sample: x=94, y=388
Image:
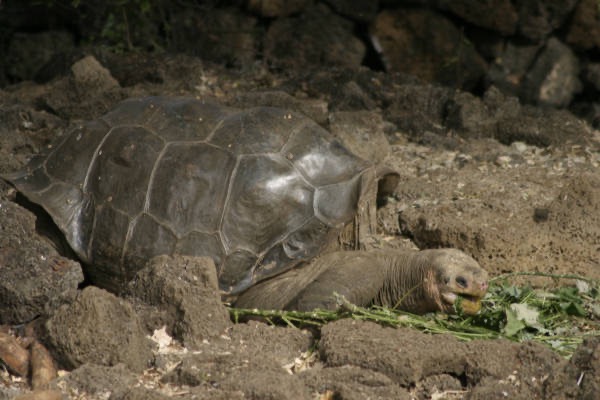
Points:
x=513, y=324
x=572, y=308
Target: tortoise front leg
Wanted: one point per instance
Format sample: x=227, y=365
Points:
x=356, y=275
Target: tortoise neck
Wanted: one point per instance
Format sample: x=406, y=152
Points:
x=407, y=283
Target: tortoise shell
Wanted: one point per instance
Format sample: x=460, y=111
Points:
x=258, y=190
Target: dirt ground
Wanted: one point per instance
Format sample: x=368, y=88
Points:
x=512, y=204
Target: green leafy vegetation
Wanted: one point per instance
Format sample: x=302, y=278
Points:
x=559, y=318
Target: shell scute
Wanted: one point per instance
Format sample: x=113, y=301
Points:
x=189, y=186
x=268, y=199
x=120, y=172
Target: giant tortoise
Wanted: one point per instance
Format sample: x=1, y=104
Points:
x=266, y=193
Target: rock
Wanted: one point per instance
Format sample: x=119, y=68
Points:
x=579, y=378
x=362, y=133
x=575, y=214
x=471, y=117
x=416, y=109
x=315, y=109
x=89, y=90
x=90, y=75
x=584, y=29
x=538, y=18
x=407, y=356
x=586, y=361
x=98, y=380
x=99, y=328
x=250, y=360
x=186, y=290
x=507, y=72
x=316, y=38
x=28, y=52
x=358, y=10
x=553, y=79
x=224, y=35
x=497, y=16
x=428, y=45
x=544, y=127
x=35, y=278
x=353, y=383
x=592, y=75
x=353, y=97
x=277, y=8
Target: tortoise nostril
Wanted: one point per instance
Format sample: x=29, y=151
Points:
x=461, y=281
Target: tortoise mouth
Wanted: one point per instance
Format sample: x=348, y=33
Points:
x=469, y=303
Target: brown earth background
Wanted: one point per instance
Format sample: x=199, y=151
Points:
x=488, y=109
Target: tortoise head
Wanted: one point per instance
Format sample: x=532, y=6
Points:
x=454, y=281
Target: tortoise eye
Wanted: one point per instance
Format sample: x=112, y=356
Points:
x=461, y=281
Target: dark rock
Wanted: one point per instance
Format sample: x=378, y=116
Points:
x=540, y=214
x=99, y=380
x=277, y=8
x=576, y=212
x=185, y=289
x=98, y=328
x=402, y=354
x=315, y=38
x=539, y=18
x=584, y=29
x=434, y=385
x=497, y=16
x=358, y=10
x=230, y=374
x=91, y=76
x=472, y=117
x=428, y=45
x=592, y=75
x=554, y=76
x=579, y=378
x=362, y=132
x=28, y=52
x=489, y=44
x=407, y=356
x=586, y=360
x=417, y=109
x=88, y=90
x=315, y=109
x=353, y=383
x=35, y=278
x=508, y=70
x=227, y=36
x=348, y=89
x=252, y=361
x=469, y=116
x=353, y=97
x=544, y=127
